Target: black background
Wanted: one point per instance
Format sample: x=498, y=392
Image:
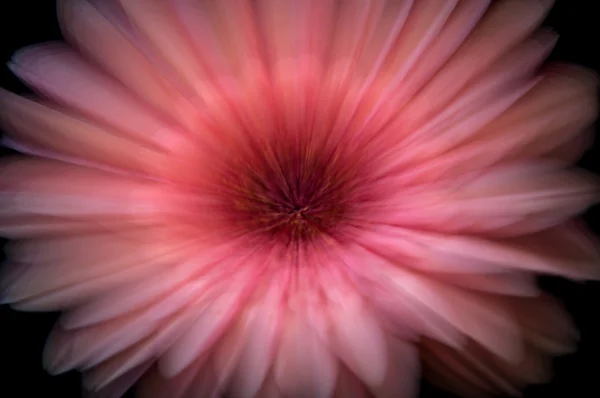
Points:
x=22, y=335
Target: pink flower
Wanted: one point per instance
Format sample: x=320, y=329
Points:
x=282, y=198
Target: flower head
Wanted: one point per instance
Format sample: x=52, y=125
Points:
x=297, y=198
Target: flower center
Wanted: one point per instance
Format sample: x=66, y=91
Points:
x=290, y=191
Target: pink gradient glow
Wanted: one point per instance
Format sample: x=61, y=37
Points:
x=315, y=198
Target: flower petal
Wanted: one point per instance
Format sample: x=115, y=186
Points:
x=61, y=74
x=474, y=315
x=507, y=200
x=214, y=317
x=100, y=40
x=480, y=50
x=196, y=263
x=52, y=280
x=260, y=331
x=360, y=345
x=47, y=126
x=304, y=365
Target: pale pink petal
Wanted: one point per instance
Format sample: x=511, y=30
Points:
x=210, y=324
x=509, y=200
x=554, y=113
x=61, y=74
x=148, y=349
x=304, y=365
x=102, y=42
x=48, y=126
x=478, y=318
x=360, y=345
x=485, y=45
x=461, y=22
x=114, y=262
x=260, y=332
x=424, y=22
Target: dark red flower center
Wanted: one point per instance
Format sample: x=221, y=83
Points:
x=289, y=190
